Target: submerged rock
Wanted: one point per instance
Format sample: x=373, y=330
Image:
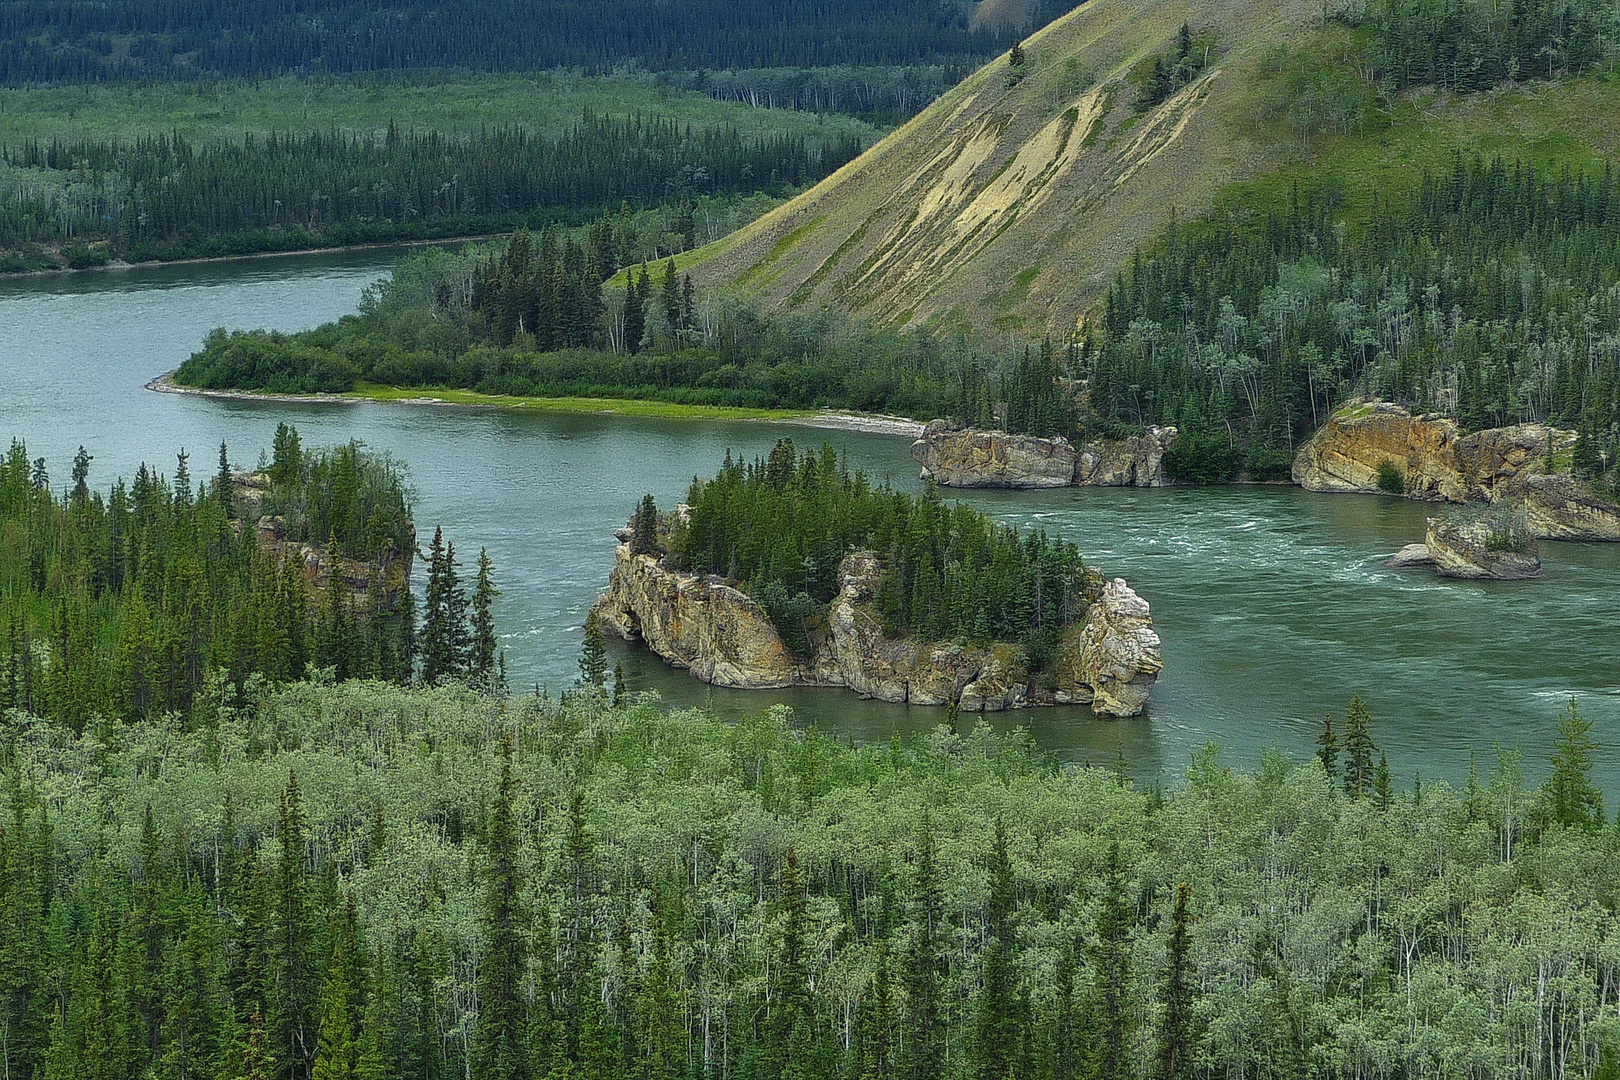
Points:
x=721, y=635
x=956, y=455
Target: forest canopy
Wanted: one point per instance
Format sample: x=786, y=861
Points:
x=782, y=525
x=441, y=883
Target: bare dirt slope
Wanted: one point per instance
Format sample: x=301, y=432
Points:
x=1012, y=207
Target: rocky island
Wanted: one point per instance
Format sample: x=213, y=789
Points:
x=883, y=628
x=954, y=454
x=1480, y=543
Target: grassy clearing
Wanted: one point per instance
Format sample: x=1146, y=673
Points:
x=543, y=102
x=617, y=406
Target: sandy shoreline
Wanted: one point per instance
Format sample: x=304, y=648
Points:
x=873, y=425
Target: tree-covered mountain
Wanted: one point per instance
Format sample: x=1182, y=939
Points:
x=139, y=40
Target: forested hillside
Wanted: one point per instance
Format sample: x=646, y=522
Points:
x=166, y=197
x=362, y=881
x=137, y=40
x=1492, y=293
x=531, y=317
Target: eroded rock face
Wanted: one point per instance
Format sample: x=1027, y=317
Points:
x=1436, y=463
x=955, y=455
x=1134, y=462
x=1118, y=654
x=720, y=635
x=712, y=629
x=1464, y=549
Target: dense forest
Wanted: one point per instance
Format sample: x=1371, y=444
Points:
x=1492, y=294
x=365, y=881
x=782, y=525
x=530, y=317
x=138, y=40
x=167, y=197
x=169, y=597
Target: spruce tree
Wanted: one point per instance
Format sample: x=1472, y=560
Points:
x=224, y=487
x=337, y=1051
x=1572, y=799
x=444, y=617
x=1110, y=965
x=644, y=528
x=292, y=944
x=482, y=665
x=1000, y=1034
x=1327, y=744
x=924, y=1036
x=499, y=1048
x=1176, y=1023
x=1358, y=746
x=593, y=655
x=790, y=1049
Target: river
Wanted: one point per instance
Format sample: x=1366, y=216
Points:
x=1272, y=602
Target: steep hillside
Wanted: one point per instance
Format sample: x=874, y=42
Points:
x=1013, y=205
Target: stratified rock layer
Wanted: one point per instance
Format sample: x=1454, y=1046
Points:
x=1464, y=549
x=955, y=455
x=1437, y=463
x=722, y=636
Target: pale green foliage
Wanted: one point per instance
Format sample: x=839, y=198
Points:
x=1458, y=931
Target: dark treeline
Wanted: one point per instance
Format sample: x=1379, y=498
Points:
x=142, y=40
x=165, y=596
x=1467, y=45
x=533, y=319
x=359, y=882
x=782, y=526
x=165, y=197
x=1491, y=294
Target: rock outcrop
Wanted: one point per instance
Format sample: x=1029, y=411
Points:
x=722, y=636
x=956, y=455
x=1475, y=547
x=1366, y=442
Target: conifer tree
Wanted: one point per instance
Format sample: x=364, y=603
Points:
x=644, y=528
x=923, y=1033
x=337, y=1050
x=292, y=944
x=1110, y=964
x=483, y=658
x=500, y=1050
x=618, y=683
x=444, y=630
x=1571, y=797
x=593, y=655
x=224, y=489
x=1176, y=1024
x=1000, y=1034
x=790, y=1050
x=1358, y=746
x=1327, y=744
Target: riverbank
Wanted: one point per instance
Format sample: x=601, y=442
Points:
x=667, y=410
x=120, y=266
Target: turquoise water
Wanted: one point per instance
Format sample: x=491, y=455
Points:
x=1272, y=602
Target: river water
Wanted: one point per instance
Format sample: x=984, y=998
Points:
x=1272, y=602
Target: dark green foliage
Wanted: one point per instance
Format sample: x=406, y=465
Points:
x=131, y=603
x=1358, y=749
x=165, y=197
x=531, y=317
x=1253, y=323
x=1177, y=1040
x=444, y=643
x=1571, y=797
x=1327, y=752
x=1390, y=478
x=593, y=655
x=782, y=527
x=483, y=662
x=500, y=1048
x=1202, y=458
x=1163, y=75
x=734, y=900
x=709, y=38
x=644, y=528
x=1475, y=45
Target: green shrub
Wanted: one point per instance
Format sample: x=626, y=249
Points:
x=1269, y=463
x=1202, y=458
x=1390, y=478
